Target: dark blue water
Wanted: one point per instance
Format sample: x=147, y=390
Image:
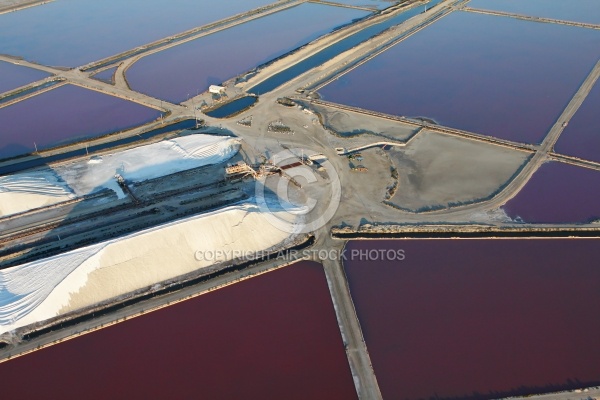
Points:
x=73, y=33
x=41, y=161
x=232, y=107
x=332, y=51
x=176, y=73
x=13, y=76
x=493, y=75
x=569, y=10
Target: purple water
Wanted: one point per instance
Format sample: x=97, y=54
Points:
x=480, y=319
x=572, y=10
x=493, y=75
x=581, y=138
x=558, y=193
x=271, y=337
x=65, y=114
x=73, y=33
x=178, y=72
x=13, y=76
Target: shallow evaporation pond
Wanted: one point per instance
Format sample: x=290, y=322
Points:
x=478, y=319
x=73, y=33
x=14, y=76
x=558, y=193
x=587, y=11
x=493, y=75
x=64, y=115
x=177, y=73
x=275, y=335
x=332, y=51
x=581, y=137
x=233, y=107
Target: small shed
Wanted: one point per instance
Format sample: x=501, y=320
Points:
x=215, y=89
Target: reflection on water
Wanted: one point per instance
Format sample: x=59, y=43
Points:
x=183, y=70
x=274, y=336
x=73, y=33
x=494, y=75
x=479, y=319
x=558, y=193
x=65, y=114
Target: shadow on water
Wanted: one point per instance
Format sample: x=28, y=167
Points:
x=232, y=108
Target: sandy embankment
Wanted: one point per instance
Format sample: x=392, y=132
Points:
x=47, y=288
x=14, y=5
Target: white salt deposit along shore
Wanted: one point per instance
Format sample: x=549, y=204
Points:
x=27, y=191
x=43, y=289
x=22, y=192
x=147, y=162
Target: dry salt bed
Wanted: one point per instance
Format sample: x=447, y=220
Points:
x=26, y=191
x=47, y=288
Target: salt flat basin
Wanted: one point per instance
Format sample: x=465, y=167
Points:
x=43, y=289
x=13, y=76
x=572, y=10
x=176, y=73
x=73, y=33
x=493, y=75
x=63, y=115
x=24, y=191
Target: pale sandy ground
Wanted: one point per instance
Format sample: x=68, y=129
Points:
x=438, y=170
x=47, y=288
x=31, y=190
x=8, y=5
x=347, y=123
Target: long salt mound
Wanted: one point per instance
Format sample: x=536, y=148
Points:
x=146, y=162
x=47, y=288
x=26, y=191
